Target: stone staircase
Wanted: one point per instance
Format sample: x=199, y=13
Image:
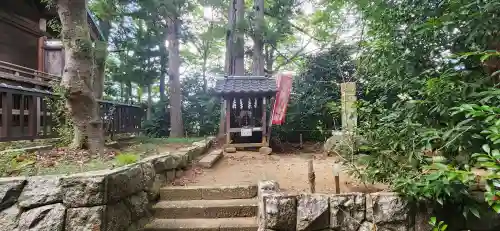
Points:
x=205, y=208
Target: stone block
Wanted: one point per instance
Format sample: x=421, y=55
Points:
x=138, y=206
x=181, y=158
x=45, y=218
x=41, y=190
x=170, y=176
x=149, y=174
x=367, y=226
x=264, y=188
x=383, y=207
x=117, y=217
x=280, y=212
x=153, y=192
x=10, y=189
x=124, y=182
x=347, y=211
x=85, y=218
x=230, y=149
x=179, y=173
x=313, y=212
x=265, y=150
x=85, y=189
x=161, y=162
x=388, y=211
x=209, y=160
x=9, y=218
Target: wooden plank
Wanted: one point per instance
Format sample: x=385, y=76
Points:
x=238, y=130
x=18, y=111
x=43, y=110
x=32, y=116
x=246, y=145
x=17, y=78
x=7, y=116
x=21, y=114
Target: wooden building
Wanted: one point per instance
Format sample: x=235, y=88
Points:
x=246, y=109
x=31, y=56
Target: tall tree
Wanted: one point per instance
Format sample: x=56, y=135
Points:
x=77, y=76
x=174, y=62
x=258, y=38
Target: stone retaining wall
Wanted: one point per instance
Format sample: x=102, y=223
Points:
x=383, y=211
x=107, y=200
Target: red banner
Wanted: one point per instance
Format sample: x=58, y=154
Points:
x=284, y=84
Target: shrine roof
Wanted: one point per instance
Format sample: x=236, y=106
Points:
x=246, y=85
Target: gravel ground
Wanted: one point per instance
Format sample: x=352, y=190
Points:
x=289, y=170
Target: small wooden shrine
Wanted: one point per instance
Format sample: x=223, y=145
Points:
x=246, y=109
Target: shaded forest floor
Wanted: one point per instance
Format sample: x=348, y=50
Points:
x=62, y=160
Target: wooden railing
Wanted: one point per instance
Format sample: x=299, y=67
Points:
x=19, y=74
x=25, y=115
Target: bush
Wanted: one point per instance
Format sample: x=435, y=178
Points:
x=125, y=159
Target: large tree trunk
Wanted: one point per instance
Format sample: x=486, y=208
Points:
x=173, y=24
x=258, y=40
x=228, y=64
x=101, y=52
x=163, y=70
x=239, y=45
x=77, y=76
x=150, y=102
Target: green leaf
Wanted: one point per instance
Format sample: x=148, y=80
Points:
x=475, y=212
x=486, y=148
x=496, y=207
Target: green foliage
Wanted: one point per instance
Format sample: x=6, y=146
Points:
x=14, y=162
x=314, y=106
x=201, y=109
x=125, y=159
x=489, y=157
x=158, y=125
x=423, y=64
x=63, y=124
x=437, y=226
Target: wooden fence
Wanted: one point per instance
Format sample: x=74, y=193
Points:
x=24, y=115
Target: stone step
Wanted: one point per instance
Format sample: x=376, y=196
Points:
x=219, y=224
x=208, y=192
x=205, y=209
x=209, y=160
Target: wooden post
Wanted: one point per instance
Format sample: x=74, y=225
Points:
x=311, y=176
x=336, y=176
x=300, y=137
x=228, y=121
x=264, y=122
x=6, y=115
x=270, y=125
x=42, y=23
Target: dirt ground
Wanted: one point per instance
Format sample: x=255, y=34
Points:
x=289, y=170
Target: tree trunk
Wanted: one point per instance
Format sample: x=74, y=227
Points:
x=163, y=70
x=258, y=40
x=176, y=124
x=228, y=64
x=128, y=96
x=269, y=58
x=77, y=76
x=204, y=69
x=239, y=45
x=101, y=52
x=150, y=102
